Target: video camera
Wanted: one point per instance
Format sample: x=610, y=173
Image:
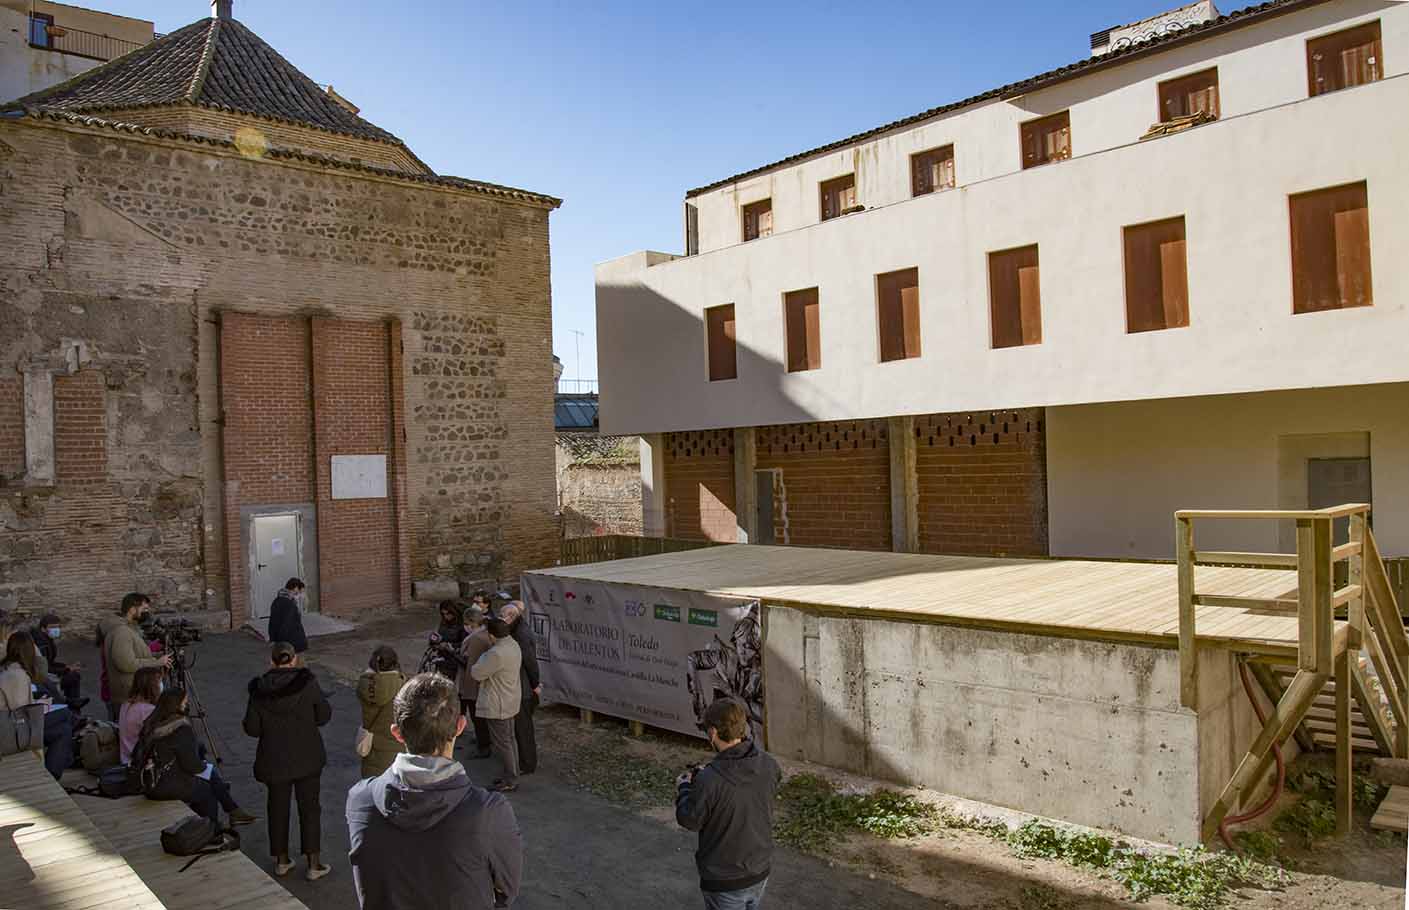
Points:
x=174, y=632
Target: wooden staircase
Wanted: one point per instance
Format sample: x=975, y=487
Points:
x=1318, y=729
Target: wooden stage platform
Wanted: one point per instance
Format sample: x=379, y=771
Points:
x=1120, y=601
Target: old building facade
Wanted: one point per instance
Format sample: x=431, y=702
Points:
x=244, y=333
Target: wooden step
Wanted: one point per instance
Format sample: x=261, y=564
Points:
x=1393, y=813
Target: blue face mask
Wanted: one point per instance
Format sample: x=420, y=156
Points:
x=54, y=632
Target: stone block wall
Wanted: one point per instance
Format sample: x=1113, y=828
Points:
x=599, y=485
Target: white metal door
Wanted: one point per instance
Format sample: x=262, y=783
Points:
x=277, y=549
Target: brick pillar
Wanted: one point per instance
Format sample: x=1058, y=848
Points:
x=397, y=468
x=745, y=490
x=904, y=487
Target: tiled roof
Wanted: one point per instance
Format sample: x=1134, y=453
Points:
x=1232, y=20
x=574, y=413
x=215, y=63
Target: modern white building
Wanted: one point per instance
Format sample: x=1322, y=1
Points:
x=43, y=44
x=1037, y=321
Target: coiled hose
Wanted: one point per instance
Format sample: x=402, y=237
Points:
x=1276, y=793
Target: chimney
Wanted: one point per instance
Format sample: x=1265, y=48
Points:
x=220, y=9
x=1123, y=37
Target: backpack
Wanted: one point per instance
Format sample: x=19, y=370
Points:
x=144, y=769
x=197, y=836
x=113, y=783
x=98, y=746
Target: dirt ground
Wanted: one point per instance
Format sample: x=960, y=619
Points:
x=599, y=830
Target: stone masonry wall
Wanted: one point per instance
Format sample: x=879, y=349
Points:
x=134, y=246
x=599, y=484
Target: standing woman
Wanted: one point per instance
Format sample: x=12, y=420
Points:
x=141, y=702
x=169, y=743
x=19, y=674
x=476, y=643
x=286, y=708
x=376, y=690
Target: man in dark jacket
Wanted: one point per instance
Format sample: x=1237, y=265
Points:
x=730, y=803
x=286, y=708
x=286, y=615
x=46, y=639
x=422, y=835
x=529, y=685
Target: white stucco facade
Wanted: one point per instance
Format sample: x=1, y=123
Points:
x=25, y=69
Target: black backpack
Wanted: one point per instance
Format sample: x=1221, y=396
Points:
x=197, y=836
x=113, y=783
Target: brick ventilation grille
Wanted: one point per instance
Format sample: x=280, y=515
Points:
x=990, y=428
x=821, y=437
x=700, y=443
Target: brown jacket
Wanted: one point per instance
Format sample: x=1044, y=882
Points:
x=470, y=651
x=126, y=652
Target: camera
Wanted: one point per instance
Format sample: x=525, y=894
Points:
x=174, y=632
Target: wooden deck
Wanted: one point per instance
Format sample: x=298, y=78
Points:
x=51, y=855
x=1126, y=601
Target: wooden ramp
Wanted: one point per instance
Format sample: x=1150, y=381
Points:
x=224, y=881
x=52, y=855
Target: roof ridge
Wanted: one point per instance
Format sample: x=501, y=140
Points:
x=203, y=68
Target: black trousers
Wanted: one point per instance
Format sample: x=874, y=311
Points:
x=467, y=708
x=208, y=797
x=523, y=733
x=309, y=814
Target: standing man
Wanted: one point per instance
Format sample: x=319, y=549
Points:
x=126, y=651
x=46, y=639
x=529, y=687
x=286, y=615
x=730, y=803
x=497, y=672
x=421, y=834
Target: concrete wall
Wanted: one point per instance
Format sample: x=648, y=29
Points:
x=1260, y=66
x=1117, y=472
x=1242, y=335
x=1085, y=731
x=24, y=69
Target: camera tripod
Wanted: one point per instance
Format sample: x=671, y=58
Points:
x=184, y=679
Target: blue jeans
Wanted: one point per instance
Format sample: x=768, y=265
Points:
x=750, y=898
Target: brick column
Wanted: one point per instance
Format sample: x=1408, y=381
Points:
x=397, y=467
x=745, y=489
x=904, y=487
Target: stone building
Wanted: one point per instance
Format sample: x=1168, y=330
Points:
x=246, y=334
x=599, y=477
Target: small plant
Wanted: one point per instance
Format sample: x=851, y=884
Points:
x=1311, y=779
x=1367, y=793
x=1310, y=819
x=1263, y=846
x=813, y=816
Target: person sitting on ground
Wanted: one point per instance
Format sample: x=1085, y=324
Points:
x=286, y=708
x=730, y=803
x=168, y=742
x=376, y=690
x=127, y=651
x=475, y=644
x=19, y=680
x=422, y=835
x=529, y=686
x=141, y=702
x=497, y=672
x=286, y=615
x=65, y=676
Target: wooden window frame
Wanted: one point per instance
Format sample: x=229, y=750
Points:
x=1353, y=268
x=1033, y=125
x=915, y=171
x=822, y=190
x=1167, y=293
x=727, y=332
x=1343, y=37
x=1170, y=86
x=802, y=330
x=744, y=213
x=905, y=345
x=1029, y=311
x=48, y=20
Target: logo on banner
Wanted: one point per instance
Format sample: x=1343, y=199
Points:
x=704, y=618
x=667, y=612
x=635, y=608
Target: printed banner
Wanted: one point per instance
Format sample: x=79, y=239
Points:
x=647, y=654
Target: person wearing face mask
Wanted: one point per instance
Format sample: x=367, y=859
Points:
x=286, y=615
x=125, y=650
x=66, y=676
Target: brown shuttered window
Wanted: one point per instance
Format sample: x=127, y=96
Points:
x=932, y=170
x=898, y=314
x=1047, y=139
x=802, y=313
x=1352, y=57
x=1156, y=276
x=838, y=196
x=719, y=334
x=1331, y=249
x=1190, y=94
x=1014, y=297
x=758, y=219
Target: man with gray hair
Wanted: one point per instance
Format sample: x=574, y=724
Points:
x=422, y=834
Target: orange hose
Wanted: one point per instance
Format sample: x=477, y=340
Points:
x=1276, y=753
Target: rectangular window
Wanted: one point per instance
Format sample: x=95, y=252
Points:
x=39, y=25
x=1047, y=139
x=898, y=314
x=1156, y=276
x=802, y=313
x=1331, y=249
x=1014, y=297
x=932, y=170
x=838, y=196
x=1190, y=94
x=1343, y=59
x=758, y=219
x=719, y=334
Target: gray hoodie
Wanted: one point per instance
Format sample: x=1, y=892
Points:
x=424, y=836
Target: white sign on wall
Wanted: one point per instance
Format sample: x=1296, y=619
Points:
x=359, y=477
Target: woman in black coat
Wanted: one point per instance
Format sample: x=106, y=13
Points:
x=286, y=708
x=180, y=771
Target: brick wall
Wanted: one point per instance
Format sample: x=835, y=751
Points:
x=699, y=485
x=982, y=481
x=11, y=428
x=80, y=428
x=832, y=483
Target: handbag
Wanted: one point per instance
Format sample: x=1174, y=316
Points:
x=364, y=742
x=22, y=728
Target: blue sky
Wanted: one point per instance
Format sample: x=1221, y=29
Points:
x=619, y=108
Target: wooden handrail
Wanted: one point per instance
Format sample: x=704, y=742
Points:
x=1254, y=560
x=1340, y=511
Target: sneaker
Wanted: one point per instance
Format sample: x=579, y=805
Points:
x=318, y=871
x=241, y=817
x=282, y=869
x=503, y=786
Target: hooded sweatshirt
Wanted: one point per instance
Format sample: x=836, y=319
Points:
x=730, y=802
x=286, y=708
x=286, y=621
x=423, y=836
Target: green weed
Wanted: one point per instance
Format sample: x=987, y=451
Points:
x=1263, y=846
x=1310, y=819
x=813, y=816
